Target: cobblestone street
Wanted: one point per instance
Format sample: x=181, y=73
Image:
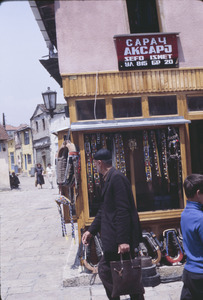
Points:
x=34, y=253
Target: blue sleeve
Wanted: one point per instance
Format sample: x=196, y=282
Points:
x=201, y=230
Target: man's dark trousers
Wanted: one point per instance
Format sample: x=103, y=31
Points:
x=193, y=286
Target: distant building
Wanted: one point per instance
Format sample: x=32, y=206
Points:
x=20, y=150
x=45, y=144
x=11, y=130
x=4, y=169
x=24, y=150
x=12, y=155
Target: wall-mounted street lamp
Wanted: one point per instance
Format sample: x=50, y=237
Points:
x=49, y=98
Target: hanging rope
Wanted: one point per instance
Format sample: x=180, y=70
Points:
x=95, y=98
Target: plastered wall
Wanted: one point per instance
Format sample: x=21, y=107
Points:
x=85, y=31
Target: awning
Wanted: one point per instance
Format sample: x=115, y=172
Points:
x=56, y=131
x=127, y=123
x=51, y=65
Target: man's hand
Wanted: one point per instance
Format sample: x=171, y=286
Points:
x=86, y=237
x=123, y=248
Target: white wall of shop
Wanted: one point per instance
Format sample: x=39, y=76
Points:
x=59, y=122
x=4, y=169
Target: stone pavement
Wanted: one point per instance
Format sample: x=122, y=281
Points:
x=36, y=261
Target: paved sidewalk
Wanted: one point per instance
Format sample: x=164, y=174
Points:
x=36, y=260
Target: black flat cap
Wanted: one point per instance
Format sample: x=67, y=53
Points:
x=103, y=154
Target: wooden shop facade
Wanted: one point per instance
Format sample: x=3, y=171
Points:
x=152, y=122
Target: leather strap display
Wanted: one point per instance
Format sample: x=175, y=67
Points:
x=119, y=153
x=164, y=155
x=155, y=153
x=94, y=139
x=89, y=165
x=148, y=170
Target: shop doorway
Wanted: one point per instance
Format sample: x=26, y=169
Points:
x=196, y=145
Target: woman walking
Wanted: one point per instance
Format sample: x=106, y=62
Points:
x=39, y=176
x=50, y=174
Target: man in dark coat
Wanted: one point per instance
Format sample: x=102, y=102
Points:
x=117, y=219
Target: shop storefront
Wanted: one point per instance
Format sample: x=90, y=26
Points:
x=137, y=93
x=147, y=120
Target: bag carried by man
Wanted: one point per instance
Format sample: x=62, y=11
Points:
x=127, y=277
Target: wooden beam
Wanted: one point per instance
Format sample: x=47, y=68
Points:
x=132, y=82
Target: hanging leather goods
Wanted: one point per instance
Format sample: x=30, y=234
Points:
x=61, y=164
x=164, y=155
x=132, y=144
x=103, y=141
x=120, y=154
x=71, y=173
x=76, y=167
x=153, y=246
x=63, y=225
x=67, y=167
x=94, y=150
x=174, y=150
x=174, y=252
x=98, y=140
x=155, y=153
x=92, y=254
x=147, y=162
x=89, y=165
x=126, y=276
x=61, y=199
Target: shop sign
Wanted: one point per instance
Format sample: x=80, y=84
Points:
x=147, y=51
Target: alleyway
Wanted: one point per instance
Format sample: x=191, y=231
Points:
x=34, y=253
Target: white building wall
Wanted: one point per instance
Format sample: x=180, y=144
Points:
x=85, y=31
x=4, y=169
x=185, y=17
x=59, y=122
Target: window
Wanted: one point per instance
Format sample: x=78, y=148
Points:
x=29, y=159
x=2, y=146
x=43, y=124
x=157, y=166
x=37, y=128
x=142, y=16
x=12, y=160
x=195, y=103
x=26, y=138
x=162, y=105
x=127, y=107
x=90, y=109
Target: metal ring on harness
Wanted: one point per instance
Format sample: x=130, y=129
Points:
x=171, y=240
x=152, y=246
x=94, y=244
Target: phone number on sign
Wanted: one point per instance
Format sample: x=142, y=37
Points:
x=143, y=63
